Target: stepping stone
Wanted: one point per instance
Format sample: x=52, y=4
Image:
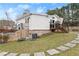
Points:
x=70, y=45
x=76, y=38
x=77, y=34
x=39, y=54
x=52, y=51
x=75, y=41
x=3, y=53
x=62, y=48
x=12, y=54
x=25, y=54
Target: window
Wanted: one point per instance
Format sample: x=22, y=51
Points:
x=53, y=17
x=20, y=26
x=52, y=21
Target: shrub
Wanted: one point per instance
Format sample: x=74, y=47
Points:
x=5, y=38
x=0, y=38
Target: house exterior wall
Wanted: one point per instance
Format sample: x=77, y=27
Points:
x=37, y=22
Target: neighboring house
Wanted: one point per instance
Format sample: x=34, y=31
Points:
x=36, y=23
x=7, y=24
x=7, y=27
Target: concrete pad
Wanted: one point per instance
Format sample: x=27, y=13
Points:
x=62, y=48
x=12, y=54
x=39, y=54
x=70, y=45
x=75, y=41
x=24, y=54
x=52, y=51
x=3, y=53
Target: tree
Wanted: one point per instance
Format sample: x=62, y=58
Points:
x=51, y=12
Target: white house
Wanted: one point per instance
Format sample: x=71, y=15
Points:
x=37, y=23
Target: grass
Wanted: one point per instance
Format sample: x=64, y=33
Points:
x=43, y=43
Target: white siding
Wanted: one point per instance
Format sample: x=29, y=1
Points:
x=38, y=22
x=56, y=18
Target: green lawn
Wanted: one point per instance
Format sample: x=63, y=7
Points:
x=43, y=43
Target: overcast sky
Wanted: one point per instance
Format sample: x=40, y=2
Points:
x=18, y=8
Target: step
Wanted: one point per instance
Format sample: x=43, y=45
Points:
x=75, y=41
x=3, y=53
x=12, y=54
x=76, y=38
x=39, y=54
x=63, y=48
x=52, y=51
x=25, y=54
x=71, y=45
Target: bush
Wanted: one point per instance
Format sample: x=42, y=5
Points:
x=5, y=38
x=0, y=38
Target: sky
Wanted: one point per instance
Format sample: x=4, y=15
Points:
x=15, y=9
